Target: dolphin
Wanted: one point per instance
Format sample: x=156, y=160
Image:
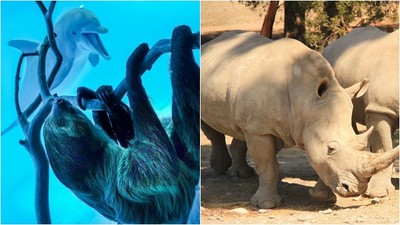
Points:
x=77, y=37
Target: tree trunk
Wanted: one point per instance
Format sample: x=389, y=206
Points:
x=331, y=11
x=269, y=19
x=294, y=20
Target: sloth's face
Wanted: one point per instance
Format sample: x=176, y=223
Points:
x=61, y=107
x=66, y=120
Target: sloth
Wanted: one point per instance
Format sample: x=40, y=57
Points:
x=150, y=180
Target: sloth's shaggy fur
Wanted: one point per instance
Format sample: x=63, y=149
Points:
x=151, y=181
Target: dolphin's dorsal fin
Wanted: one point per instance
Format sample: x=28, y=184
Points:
x=94, y=59
x=24, y=45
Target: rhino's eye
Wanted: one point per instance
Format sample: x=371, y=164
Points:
x=332, y=147
x=323, y=86
x=331, y=151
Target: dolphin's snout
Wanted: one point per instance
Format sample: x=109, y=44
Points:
x=96, y=44
x=95, y=29
x=102, y=30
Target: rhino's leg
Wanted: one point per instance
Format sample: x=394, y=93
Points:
x=220, y=159
x=322, y=193
x=262, y=150
x=239, y=168
x=381, y=139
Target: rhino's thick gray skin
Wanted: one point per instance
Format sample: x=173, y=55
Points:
x=372, y=53
x=271, y=93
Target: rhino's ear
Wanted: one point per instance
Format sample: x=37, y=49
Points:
x=358, y=89
x=322, y=87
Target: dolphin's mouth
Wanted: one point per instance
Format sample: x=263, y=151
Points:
x=95, y=41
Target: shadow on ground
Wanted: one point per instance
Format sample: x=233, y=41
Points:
x=297, y=177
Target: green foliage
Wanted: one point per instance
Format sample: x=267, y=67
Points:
x=326, y=21
x=322, y=29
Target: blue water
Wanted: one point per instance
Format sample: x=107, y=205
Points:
x=129, y=24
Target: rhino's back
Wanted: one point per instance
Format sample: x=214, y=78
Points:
x=372, y=53
x=244, y=82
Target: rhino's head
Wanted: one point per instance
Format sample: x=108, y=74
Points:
x=347, y=169
x=339, y=156
x=346, y=165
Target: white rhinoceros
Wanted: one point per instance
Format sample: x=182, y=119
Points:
x=372, y=53
x=269, y=93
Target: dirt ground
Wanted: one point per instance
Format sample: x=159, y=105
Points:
x=218, y=17
x=227, y=200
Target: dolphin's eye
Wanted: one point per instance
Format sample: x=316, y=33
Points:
x=73, y=33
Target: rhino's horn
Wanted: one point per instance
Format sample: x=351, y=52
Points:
x=363, y=138
x=377, y=162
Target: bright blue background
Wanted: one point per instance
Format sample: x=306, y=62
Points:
x=129, y=24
